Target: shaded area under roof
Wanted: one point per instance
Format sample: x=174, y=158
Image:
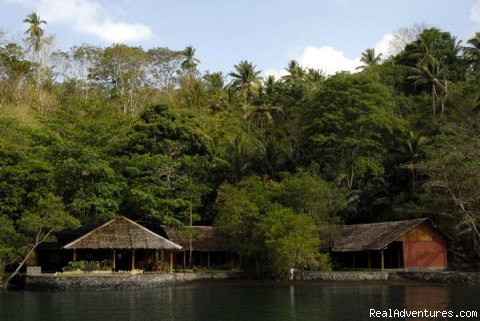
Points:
x=375, y=236
x=122, y=233
x=204, y=238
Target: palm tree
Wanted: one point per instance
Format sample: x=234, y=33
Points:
x=189, y=61
x=215, y=81
x=268, y=84
x=245, y=79
x=295, y=71
x=35, y=32
x=237, y=156
x=434, y=75
x=412, y=150
x=262, y=115
x=370, y=59
x=473, y=53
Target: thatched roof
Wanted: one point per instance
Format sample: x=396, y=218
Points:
x=375, y=236
x=122, y=233
x=204, y=238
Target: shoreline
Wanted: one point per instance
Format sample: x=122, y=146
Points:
x=98, y=282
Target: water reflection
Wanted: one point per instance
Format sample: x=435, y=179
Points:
x=430, y=298
x=239, y=301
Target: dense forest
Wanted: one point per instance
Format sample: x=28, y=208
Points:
x=92, y=133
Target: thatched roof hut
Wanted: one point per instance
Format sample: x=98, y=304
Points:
x=375, y=236
x=204, y=238
x=122, y=233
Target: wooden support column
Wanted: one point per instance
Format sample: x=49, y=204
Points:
x=114, y=259
x=382, y=260
x=208, y=259
x=184, y=259
x=133, y=259
x=369, y=260
x=171, y=261
x=74, y=254
x=353, y=259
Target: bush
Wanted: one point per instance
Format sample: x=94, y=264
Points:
x=87, y=266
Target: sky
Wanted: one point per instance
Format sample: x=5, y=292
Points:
x=324, y=34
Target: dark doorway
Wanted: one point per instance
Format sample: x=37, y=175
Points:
x=123, y=260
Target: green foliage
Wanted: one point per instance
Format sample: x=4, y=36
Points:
x=290, y=240
x=100, y=132
x=349, y=124
x=275, y=225
x=10, y=240
x=88, y=266
x=47, y=217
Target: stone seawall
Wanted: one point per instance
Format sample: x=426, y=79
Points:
x=118, y=281
x=341, y=276
x=450, y=277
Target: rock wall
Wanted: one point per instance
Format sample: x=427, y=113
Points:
x=117, y=281
x=341, y=276
x=450, y=277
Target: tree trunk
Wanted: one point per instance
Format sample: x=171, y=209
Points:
x=38, y=241
x=20, y=265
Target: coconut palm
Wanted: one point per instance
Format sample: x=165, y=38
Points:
x=473, y=53
x=295, y=72
x=245, y=79
x=189, y=61
x=35, y=32
x=237, y=155
x=262, y=115
x=215, y=81
x=434, y=75
x=370, y=59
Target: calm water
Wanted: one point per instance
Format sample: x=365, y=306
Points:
x=237, y=300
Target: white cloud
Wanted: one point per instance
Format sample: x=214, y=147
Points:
x=475, y=12
x=276, y=73
x=88, y=16
x=325, y=58
x=119, y=32
x=328, y=59
x=383, y=46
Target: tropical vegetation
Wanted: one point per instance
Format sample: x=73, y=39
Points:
x=92, y=133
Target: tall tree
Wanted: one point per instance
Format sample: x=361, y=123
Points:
x=433, y=74
x=245, y=79
x=35, y=32
x=189, y=62
x=295, y=72
x=347, y=125
x=370, y=59
x=472, y=53
x=122, y=71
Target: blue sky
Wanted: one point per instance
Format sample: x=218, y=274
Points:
x=327, y=34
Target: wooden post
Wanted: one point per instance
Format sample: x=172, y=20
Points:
x=133, y=259
x=208, y=259
x=369, y=260
x=382, y=260
x=74, y=254
x=171, y=261
x=353, y=259
x=114, y=259
x=184, y=259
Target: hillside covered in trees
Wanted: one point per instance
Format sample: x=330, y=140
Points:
x=92, y=133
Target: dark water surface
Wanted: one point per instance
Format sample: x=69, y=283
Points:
x=241, y=300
